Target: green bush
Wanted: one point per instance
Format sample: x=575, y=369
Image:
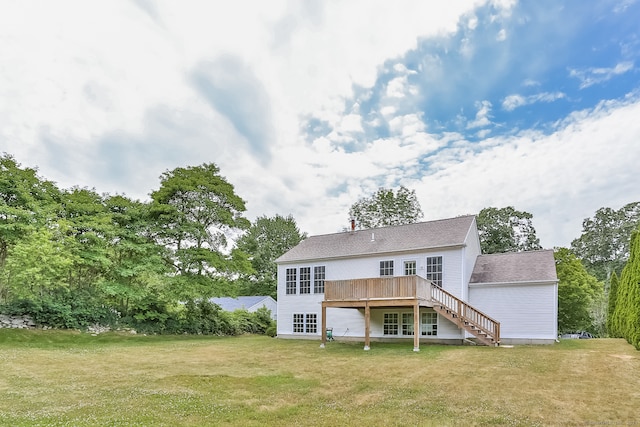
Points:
x=78, y=310
x=64, y=310
x=271, y=330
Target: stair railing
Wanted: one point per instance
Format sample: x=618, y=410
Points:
x=465, y=313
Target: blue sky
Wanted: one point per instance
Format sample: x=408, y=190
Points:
x=307, y=106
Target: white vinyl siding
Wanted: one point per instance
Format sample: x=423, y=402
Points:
x=525, y=311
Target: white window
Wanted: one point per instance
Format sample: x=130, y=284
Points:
x=386, y=268
x=429, y=324
x=390, y=325
x=305, y=323
x=434, y=270
x=291, y=281
x=409, y=268
x=318, y=279
x=311, y=326
x=407, y=324
x=298, y=322
x=305, y=280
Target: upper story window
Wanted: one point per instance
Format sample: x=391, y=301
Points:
x=305, y=280
x=290, y=280
x=409, y=268
x=434, y=270
x=318, y=279
x=386, y=268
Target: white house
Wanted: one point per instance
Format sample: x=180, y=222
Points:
x=429, y=277
x=249, y=303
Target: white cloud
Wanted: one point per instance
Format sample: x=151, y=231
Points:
x=482, y=116
x=560, y=178
x=590, y=76
x=96, y=107
x=511, y=102
x=502, y=35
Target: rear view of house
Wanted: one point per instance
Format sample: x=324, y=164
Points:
x=426, y=282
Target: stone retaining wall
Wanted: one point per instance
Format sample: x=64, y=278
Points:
x=26, y=322
x=16, y=322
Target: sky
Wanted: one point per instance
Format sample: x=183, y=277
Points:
x=307, y=106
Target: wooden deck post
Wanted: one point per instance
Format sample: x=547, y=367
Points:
x=367, y=326
x=324, y=325
x=416, y=326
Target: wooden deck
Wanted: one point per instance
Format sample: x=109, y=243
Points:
x=354, y=293
x=407, y=291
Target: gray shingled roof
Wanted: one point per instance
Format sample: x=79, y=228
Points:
x=239, y=303
x=423, y=235
x=514, y=267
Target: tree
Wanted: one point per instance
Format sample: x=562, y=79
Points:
x=89, y=228
x=387, y=207
x=37, y=265
x=578, y=293
x=265, y=241
x=195, y=211
x=506, y=230
x=137, y=263
x=26, y=202
x=613, y=300
x=604, y=244
x=626, y=314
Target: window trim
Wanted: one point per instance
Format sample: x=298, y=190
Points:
x=424, y=331
x=291, y=281
x=406, y=322
x=391, y=326
x=305, y=323
x=318, y=282
x=305, y=280
x=311, y=323
x=298, y=323
x=415, y=267
x=439, y=275
x=387, y=268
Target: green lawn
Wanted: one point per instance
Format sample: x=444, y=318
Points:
x=58, y=378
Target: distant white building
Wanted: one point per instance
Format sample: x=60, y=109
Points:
x=426, y=281
x=249, y=303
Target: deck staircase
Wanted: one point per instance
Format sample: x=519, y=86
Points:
x=485, y=329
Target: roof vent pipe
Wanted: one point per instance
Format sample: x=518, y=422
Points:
x=373, y=237
x=353, y=224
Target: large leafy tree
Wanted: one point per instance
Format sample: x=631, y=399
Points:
x=137, y=269
x=196, y=210
x=28, y=203
x=579, y=293
x=266, y=240
x=604, y=244
x=89, y=228
x=37, y=266
x=506, y=230
x=387, y=207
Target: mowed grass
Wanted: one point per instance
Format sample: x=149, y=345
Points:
x=54, y=378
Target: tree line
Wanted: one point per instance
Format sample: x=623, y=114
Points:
x=72, y=257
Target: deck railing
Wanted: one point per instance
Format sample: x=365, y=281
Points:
x=397, y=287
x=412, y=288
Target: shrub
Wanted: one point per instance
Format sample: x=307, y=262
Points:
x=271, y=330
x=65, y=310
